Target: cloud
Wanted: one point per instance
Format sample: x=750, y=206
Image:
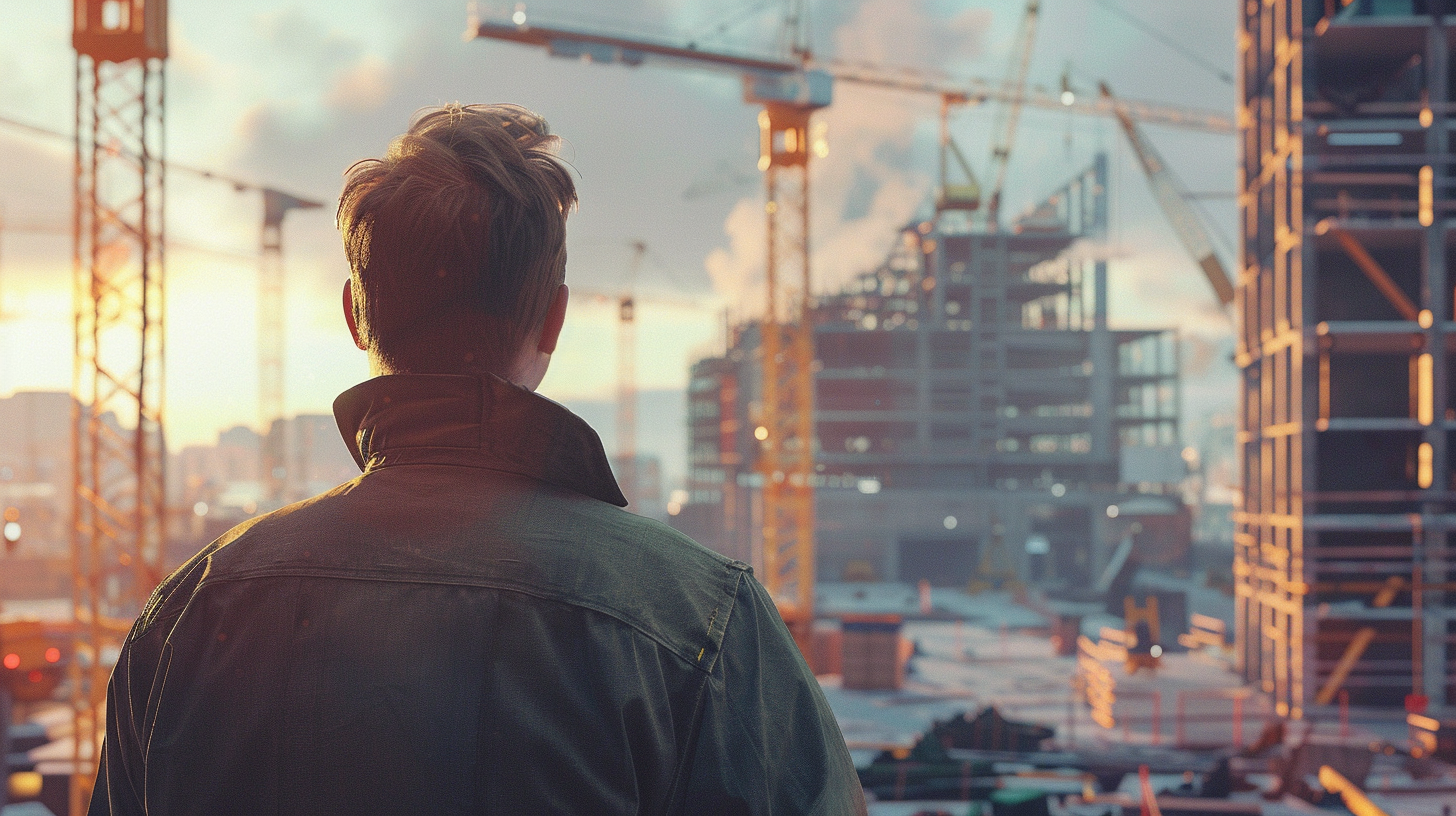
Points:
x=363, y=86
x=1160, y=280
x=736, y=271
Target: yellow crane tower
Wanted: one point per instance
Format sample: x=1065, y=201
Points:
x=788, y=94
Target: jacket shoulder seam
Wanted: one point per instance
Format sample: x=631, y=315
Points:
x=504, y=586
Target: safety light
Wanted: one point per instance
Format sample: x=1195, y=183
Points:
x=11, y=530
x=1426, y=197
x=1425, y=389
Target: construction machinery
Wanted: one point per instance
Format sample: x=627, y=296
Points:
x=1173, y=200
x=1008, y=114
x=626, y=303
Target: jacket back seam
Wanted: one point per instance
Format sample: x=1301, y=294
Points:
x=685, y=762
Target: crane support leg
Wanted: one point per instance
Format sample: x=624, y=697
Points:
x=118, y=509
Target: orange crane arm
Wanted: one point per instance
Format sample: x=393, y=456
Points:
x=1171, y=198
x=585, y=45
x=977, y=91
x=573, y=44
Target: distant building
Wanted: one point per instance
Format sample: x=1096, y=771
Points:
x=35, y=468
x=211, y=473
x=645, y=490
x=209, y=487
x=216, y=486
x=976, y=417
x=314, y=456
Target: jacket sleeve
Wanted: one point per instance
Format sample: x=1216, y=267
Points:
x=767, y=742
x=119, y=776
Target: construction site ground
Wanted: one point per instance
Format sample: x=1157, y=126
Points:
x=987, y=649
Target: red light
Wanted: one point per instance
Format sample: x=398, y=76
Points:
x=35, y=676
x=53, y=655
x=12, y=661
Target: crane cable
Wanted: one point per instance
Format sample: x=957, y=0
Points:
x=1223, y=76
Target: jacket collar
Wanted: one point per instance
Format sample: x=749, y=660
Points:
x=479, y=421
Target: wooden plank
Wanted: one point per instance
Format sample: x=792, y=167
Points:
x=1352, y=655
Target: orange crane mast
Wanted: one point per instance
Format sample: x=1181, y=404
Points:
x=788, y=94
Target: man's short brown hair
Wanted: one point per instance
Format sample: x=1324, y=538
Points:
x=457, y=239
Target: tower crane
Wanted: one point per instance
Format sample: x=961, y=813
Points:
x=1173, y=200
x=271, y=328
x=118, y=507
x=626, y=302
x=627, y=375
x=1008, y=115
x=788, y=94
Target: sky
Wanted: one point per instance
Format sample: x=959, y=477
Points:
x=289, y=94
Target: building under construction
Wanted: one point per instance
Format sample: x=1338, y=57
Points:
x=1341, y=552
x=976, y=417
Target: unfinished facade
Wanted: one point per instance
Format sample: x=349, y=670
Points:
x=976, y=418
x=1346, y=308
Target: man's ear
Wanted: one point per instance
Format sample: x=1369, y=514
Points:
x=555, y=319
x=349, y=315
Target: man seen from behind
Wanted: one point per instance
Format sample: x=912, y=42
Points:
x=473, y=625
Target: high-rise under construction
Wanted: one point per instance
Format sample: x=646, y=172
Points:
x=1346, y=304
x=976, y=419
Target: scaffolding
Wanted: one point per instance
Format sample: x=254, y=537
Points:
x=974, y=414
x=1341, y=561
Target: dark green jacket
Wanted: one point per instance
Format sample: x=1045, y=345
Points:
x=471, y=626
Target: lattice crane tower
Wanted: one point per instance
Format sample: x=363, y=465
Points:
x=118, y=526
x=786, y=424
x=630, y=475
x=272, y=330
x=788, y=94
